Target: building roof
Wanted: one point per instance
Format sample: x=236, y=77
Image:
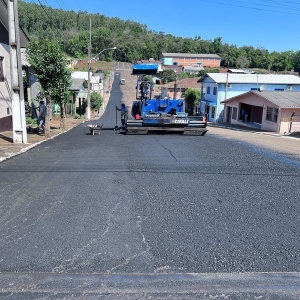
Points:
x=177, y=69
x=252, y=78
x=150, y=68
x=184, y=83
x=148, y=61
x=4, y=20
x=236, y=71
x=77, y=84
x=80, y=74
x=191, y=55
x=281, y=99
x=97, y=77
x=193, y=68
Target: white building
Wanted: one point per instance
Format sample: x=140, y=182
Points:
x=5, y=73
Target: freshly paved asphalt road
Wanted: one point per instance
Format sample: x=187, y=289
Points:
x=140, y=216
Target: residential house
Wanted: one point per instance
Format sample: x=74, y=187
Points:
x=75, y=105
x=5, y=72
x=79, y=88
x=182, y=86
x=277, y=111
x=217, y=87
x=189, y=59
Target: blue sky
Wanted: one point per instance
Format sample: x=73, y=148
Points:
x=270, y=24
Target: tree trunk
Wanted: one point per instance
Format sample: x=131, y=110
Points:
x=47, y=118
x=62, y=116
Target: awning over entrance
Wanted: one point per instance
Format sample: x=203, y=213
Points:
x=144, y=68
x=209, y=102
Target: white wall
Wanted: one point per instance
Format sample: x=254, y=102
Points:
x=5, y=87
x=285, y=124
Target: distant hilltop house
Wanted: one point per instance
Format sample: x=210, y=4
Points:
x=191, y=60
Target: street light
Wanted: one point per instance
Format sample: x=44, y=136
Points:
x=89, y=79
x=113, y=48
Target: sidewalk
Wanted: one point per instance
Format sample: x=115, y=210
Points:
x=9, y=149
x=249, y=129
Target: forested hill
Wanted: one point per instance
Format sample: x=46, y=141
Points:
x=134, y=41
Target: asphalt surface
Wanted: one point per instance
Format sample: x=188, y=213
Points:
x=115, y=216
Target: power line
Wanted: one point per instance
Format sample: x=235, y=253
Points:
x=257, y=8
x=49, y=17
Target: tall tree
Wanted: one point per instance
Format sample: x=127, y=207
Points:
x=50, y=66
x=191, y=97
x=296, y=61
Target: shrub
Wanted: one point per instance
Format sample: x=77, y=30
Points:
x=96, y=100
x=31, y=122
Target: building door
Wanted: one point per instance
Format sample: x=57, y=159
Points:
x=228, y=114
x=257, y=113
x=207, y=112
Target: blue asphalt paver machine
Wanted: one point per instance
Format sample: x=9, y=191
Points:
x=159, y=114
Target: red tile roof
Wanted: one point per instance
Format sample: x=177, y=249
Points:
x=184, y=83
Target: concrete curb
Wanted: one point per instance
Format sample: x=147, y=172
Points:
x=25, y=149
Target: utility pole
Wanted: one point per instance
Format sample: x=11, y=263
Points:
x=89, y=75
x=18, y=105
x=175, y=85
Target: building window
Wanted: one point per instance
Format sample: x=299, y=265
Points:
x=272, y=114
x=234, y=113
x=254, y=89
x=281, y=90
x=215, y=91
x=208, y=90
x=1, y=69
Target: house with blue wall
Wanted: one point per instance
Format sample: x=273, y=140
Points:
x=218, y=87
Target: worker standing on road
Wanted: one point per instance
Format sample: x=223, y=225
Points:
x=124, y=113
x=42, y=115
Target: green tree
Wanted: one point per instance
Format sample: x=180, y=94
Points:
x=133, y=40
x=168, y=75
x=184, y=75
x=242, y=62
x=191, y=97
x=296, y=61
x=50, y=67
x=96, y=100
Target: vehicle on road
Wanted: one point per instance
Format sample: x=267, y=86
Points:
x=162, y=114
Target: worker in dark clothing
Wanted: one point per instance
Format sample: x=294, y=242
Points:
x=124, y=113
x=244, y=115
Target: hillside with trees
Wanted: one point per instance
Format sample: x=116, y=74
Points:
x=135, y=41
